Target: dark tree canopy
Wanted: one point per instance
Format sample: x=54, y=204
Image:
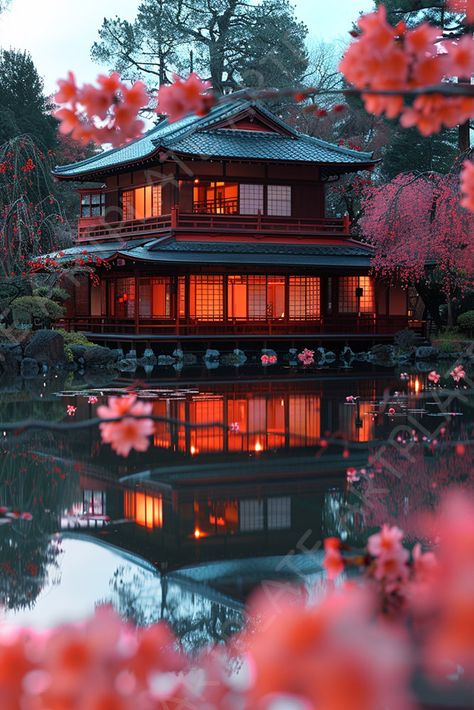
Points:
x=23, y=106
x=232, y=43
x=415, y=11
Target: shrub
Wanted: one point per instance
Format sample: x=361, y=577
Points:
x=73, y=338
x=29, y=308
x=466, y=322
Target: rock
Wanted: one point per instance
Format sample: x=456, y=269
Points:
x=347, y=356
x=237, y=358
x=424, y=366
x=98, y=357
x=381, y=353
x=269, y=352
x=330, y=357
x=149, y=359
x=127, y=365
x=14, y=348
x=148, y=369
x=29, y=368
x=361, y=357
x=117, y=353
x=178, y=354
x=131, y=355
x=78, y=353
x=211, y=356
x=46, y=347
x=165, y=360
x=189, y=359
x=8, y=362
x=426, y=352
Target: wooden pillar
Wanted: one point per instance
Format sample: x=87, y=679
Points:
x=137, y=301
x=287, y=298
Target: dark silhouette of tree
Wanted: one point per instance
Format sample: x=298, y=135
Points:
x=230, y=42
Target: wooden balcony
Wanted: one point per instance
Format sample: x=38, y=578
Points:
x=199, y=223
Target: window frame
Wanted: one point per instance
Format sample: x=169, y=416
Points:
x=128, y=201
x=89, y=201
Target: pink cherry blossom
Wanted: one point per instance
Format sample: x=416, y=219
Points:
x=458, y=373
x=234, y=427
x=464, y=6
x=105, y=113
x=92, y=399
x=333, y=562
x=434, y=377
x=185, y=96
x=352, y=475
x=71, y=410
x=467, y=185
x=306, y=357
x=128, y=433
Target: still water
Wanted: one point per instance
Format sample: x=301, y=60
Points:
x=244, y=478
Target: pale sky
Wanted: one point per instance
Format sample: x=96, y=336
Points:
x=59, y=33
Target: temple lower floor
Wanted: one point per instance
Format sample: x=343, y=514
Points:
x=219, y=301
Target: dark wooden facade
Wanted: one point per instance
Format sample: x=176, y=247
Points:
x=233, y=241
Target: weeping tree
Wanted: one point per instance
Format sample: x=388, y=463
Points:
x=31, y=220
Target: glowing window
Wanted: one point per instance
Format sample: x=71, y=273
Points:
x=216, y=197
x=155, y=297
x=305, y=298
x=279, y=200
x=143, y=508
x=251, y=199
x=206, y=302
x=141, y=203
x=356, y=294
x=124, y=297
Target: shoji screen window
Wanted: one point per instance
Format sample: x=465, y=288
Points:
x=279, y=200
x=305, y=298
x=142, y=202
x=356, y=294
x=125, y=298
x=92, y=204
x=251, y=199
x=206, y=302
x=155, y=297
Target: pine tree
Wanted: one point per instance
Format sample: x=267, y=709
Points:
x=23, y=107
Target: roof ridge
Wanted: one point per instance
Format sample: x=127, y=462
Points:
x=337, y=148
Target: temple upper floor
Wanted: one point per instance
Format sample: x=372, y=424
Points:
x=238, y=169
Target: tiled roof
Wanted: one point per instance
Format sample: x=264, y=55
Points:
x=171, y=251
x=194, y=135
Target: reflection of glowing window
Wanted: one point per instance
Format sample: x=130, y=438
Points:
x=93, y=502
x=251, y=515
x=279, y=513
x=304, y=419
x=143, y=508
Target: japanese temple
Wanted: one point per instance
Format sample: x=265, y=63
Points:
x=215, y=227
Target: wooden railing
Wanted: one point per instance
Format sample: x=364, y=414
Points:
x=237, y=224
x=365, y=324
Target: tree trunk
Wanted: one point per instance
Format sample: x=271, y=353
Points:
x=464, y=138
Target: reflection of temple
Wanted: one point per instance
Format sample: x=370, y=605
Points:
x=203, y=512
x=242, y=418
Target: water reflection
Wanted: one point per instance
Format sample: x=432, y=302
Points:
x=240, y=485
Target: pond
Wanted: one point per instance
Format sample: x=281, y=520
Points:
x=246, y=475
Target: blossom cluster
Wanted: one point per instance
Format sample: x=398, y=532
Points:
x=132, y=428
x=268, y=359
x=106, y=113
x=338, y=652
x=391, y=59
x=306, y=357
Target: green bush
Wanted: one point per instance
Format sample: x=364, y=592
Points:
x=55, y=294
x=44, y=310
x=466, y=322
x=73, y=338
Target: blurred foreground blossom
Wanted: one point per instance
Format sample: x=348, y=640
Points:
x=128, y=433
